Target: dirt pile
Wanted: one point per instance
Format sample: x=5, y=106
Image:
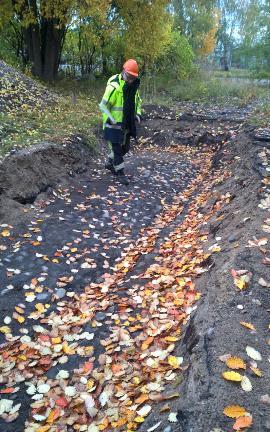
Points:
x=19, y=92
x=28, y=173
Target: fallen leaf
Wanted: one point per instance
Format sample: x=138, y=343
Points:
x=247, y=325
x=246, y=384
x=234, y=411
x=232, y=376
x=175, y=362
x=235, y=363
x=151, y=429
x=254, y=354
x=264, y=283
x=173, y=417
x=256, y=371
x=139, y=419
x=144, y=411
x=243, y=422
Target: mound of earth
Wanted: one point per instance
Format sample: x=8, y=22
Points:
x=17, y=91
x=29, y=173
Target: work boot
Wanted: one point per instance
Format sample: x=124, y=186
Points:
x=122, y=177
x=109, y=166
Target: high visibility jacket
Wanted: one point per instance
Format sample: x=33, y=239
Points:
x=113, y=98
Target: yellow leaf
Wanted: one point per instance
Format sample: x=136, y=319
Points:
x=90, y=384
x=146, y=343
x=44, y=428
x=5, y=329
x=40, y=307
x=235, y=363
x=18, y=317
x=247, y=325
x=139, y=419
x=175, y=361
x=171, y=339
x=234, y=411
x=240, y=283
x=56, y=340
x=5, y=233
x=232, y=376
x=256, y=371
x=19, y=309
x=39, y=289
x=67, y=349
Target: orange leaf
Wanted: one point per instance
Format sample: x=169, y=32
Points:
x=234, y=411
x=146, y=343
x=7, y=390
x=54, y=414
x=116, y=367
x=141, y=399
x=88, y=367
x=62, y=402
x=243, y=422
x=235, y=363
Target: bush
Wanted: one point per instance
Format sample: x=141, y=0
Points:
x=177, y=62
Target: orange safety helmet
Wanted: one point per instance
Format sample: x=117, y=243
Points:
x=131, y=67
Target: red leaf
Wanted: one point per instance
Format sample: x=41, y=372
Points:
x=7, y=390
x=62, y=402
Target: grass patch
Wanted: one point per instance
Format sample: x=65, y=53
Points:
x=75, y=113
x=205, y=88
x=261, y=115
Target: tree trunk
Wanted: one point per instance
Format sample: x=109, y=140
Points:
x=44, y=41
x=52, y=37
x=226, y=56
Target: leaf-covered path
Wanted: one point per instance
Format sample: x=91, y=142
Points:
x=97, y=288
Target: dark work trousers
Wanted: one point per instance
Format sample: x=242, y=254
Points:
x=118, y=151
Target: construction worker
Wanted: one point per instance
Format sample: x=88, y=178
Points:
x=121, y=108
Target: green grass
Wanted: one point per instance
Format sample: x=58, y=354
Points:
x=260, y=117
x=232, y=73
x=77, y=110
x=76, y=113
x=206, y=88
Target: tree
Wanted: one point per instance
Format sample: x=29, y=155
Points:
x=147, y=28
x=194, y=19
x=144, y=26
x=44, y=24
x=231, y=12
x=177, y=60
x=209, y=41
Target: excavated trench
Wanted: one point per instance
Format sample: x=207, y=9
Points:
x=173, y=151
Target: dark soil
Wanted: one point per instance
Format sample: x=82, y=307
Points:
x=161, y=167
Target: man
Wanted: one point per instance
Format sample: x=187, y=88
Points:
x=121, y=106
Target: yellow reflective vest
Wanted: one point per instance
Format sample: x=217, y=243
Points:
x=113, y=99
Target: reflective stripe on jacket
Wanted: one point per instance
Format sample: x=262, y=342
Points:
x=113, y=99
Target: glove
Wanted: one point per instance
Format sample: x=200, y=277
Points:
x=138, y=118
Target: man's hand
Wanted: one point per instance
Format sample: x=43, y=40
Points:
x=138, y=118
x=111, y=121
